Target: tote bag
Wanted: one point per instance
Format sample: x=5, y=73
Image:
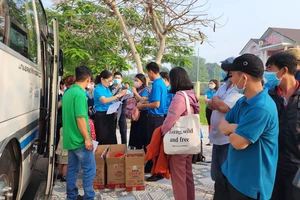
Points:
x=183, y=138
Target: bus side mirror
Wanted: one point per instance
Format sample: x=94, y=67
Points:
x=61, y=63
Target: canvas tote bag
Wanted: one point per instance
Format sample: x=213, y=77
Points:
x=184, y=136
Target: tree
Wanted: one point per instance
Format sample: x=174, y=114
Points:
x=164, y=69
x=192, y=70
x=214, y=71
x=173, y=20
x=90, y=36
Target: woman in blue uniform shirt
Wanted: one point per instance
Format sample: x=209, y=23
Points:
x=103, y=98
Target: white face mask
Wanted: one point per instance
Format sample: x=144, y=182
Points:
x=137, y=84
x=242, y=90
x=211, y=86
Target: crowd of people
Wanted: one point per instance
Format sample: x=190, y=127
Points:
x=254, y=121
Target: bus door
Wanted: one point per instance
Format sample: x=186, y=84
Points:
x=44, y=91
x=53, y=109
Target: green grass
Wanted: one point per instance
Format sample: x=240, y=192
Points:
x=202, y=111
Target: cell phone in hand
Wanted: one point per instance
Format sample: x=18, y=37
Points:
x=296, y=181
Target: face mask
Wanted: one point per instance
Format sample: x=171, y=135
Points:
x=211, y=86
x=65, y=88
x=272, y=79
x=241, y=91
x=117, y=81
x=224, y=75
x=137, y=84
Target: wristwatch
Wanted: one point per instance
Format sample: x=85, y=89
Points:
x=117, y=96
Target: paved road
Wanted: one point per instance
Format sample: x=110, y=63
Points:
x=42, y=167
x=38, y=176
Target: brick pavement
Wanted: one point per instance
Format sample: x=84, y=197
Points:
x=160, y=190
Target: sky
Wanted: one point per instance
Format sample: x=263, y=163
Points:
x=241, y=20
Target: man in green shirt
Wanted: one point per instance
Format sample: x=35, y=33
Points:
x=76, y=136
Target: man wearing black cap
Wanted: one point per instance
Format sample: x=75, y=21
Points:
x=220, y=104
x=252, y=129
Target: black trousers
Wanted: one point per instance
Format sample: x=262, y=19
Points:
x=225, y=191
x=284, y=188
x=208, y=113
x=138, y=133
x=123, y=128
x=105, y=128
x=152, y=123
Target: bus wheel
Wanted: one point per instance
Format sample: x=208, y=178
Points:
x=7, y=179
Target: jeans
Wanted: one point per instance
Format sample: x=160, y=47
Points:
x=219, y=156
x=84, y=158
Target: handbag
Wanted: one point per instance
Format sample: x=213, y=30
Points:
x=184, y=136
x=131, y=112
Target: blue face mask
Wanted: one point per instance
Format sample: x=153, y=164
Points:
x=224, y=75
x=242, y=90
x=117, y=81
x=272, y=79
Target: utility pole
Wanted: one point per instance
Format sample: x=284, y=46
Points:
x=198, y=83
x=198, y=64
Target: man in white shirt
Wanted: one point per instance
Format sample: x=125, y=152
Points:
x=221, y=103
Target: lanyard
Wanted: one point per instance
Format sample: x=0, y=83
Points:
x=280, y=93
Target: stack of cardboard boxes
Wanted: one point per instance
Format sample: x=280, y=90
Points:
x=117, y=167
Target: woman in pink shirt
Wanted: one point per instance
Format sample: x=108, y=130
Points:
x=181, y=165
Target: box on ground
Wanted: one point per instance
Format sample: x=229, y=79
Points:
x=116, y=166
x=100, y=154
x=134, y=170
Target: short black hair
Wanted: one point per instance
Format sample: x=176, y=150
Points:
x=104, y=74
x=284, y=59
x=180, y=80
x=165, y=75
x=153, y=66
x=82, y=72
x=118, y=73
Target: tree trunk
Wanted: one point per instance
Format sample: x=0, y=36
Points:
x=112, y=4
x=161, y=51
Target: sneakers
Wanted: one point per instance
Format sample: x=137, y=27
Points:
x=79, y=197
x=59, y=176
x=63, y=179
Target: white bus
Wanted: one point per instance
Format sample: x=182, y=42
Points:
x=28, y=76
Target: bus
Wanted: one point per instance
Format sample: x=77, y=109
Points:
x=31, y=64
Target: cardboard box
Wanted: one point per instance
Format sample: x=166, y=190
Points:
x=100, y=154
x=116, y=166
x=134, y=170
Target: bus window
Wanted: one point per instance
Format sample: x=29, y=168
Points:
x=22, y=29
x=41, y=16
x=2, y=19
x=18, y=40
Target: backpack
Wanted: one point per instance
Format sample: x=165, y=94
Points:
x=131, y=104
